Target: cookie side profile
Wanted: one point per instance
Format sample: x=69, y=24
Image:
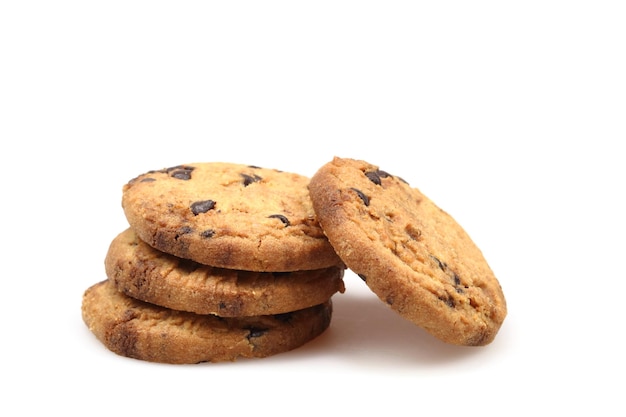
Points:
x=139, y=330
x=229, y=216
x=413, y=255
x=145, y=273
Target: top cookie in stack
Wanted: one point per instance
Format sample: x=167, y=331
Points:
x=229, y=216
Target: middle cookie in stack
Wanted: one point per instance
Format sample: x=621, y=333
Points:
x=149, y=275
x=223, y=239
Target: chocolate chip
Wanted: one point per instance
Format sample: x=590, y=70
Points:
x=375, y=176
x=450, y=273
x=202, y=206
x=208, y=233
x=281, y=218
x=448, y=300
x=249, y=179
x=442, y=265
x=183, y=231
x=363, y=277
x=457, y=283
x=362, y=196
x=181, y=175
x=149, y=179
x=256, y=332
x=457, y=280
x=180, y=172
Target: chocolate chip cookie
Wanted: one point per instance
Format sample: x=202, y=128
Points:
x=145, y=273
x=229, y=216
x=413, y=255
x=144, y=331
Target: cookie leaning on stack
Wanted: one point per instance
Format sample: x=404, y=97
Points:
x=221, y=261
x=413, y=255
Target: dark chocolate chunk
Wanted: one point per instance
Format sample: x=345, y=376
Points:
x=202, y=206
x=281, y=218
x=363, y=277
x=256, y=332
x=450, y=273
x=457, y=280
x=149, y=179
x=362, y=196
x=442, y=265
x=183, y=231
x=375, y=176
x=208, y=233
x=448, y=300
x=457, y=283
x=180, y=172
x=181, y=175
x=249, y=179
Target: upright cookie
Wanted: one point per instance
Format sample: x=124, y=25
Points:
x=229, y=216
x=145, y=273
x=414, y=256
x=144, y=331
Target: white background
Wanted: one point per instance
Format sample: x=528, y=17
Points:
x=511, y=116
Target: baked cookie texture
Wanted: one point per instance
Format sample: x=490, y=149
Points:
x=142, y=272
x=412, y=254
x=144, y=331
x=229, y=215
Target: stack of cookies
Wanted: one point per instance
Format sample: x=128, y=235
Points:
x=224, y=261
x=221, y=261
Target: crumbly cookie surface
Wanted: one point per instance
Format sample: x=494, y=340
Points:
x=145, y=273
x=139, y=330
x=229, y=216
x=410, y=253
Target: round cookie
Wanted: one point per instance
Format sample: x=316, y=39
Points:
x=144, y=331
x=413, y=255
x=142, y=272
x=229, y=216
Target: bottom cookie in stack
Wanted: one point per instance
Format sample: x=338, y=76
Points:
x=140, y=330
x=161, y=308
